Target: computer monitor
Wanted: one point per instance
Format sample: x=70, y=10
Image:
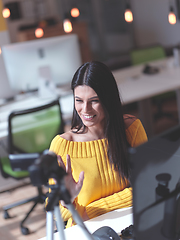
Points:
x=24, y=61
x=6, y=92
x=155, y=175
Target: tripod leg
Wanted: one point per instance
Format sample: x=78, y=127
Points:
x=49, y=225
x=60, y=223
x=80, y=222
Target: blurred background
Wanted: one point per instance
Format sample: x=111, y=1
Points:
x=103, y=32
x=108, y=31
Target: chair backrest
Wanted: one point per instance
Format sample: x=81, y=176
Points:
x=145, y=55
x=33, y=129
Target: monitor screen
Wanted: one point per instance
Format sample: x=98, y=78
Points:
x=25, y=61
x=155, y=179
x=6, y=92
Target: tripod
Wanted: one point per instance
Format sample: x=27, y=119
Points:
x=59, y=192
x=50, y=224
x=47, y=167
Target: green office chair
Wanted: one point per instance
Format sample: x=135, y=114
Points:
x=146, y=55
x=29, y=134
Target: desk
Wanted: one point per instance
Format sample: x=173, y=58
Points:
x=117, y=220
x=136, y=86
x=133, y=86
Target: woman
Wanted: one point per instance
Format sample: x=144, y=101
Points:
x=94, y=151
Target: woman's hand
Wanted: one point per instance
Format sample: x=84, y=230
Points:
x=85, y=216
x=72, y=186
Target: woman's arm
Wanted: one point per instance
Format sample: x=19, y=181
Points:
x=136, y=134
x=115, y=201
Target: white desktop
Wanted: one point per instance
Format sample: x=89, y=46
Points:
x=118, y=220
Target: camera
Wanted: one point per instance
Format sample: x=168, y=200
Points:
x=45, y=167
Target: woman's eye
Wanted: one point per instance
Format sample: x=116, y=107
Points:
x=95, y=100
x=78, y=100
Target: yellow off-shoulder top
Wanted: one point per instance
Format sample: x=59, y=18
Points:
x=102, y=191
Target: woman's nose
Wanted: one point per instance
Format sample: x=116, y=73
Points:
x=86, y=107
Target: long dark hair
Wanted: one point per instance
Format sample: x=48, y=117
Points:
x=98, y=76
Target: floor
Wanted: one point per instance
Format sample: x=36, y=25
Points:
x=9, y=228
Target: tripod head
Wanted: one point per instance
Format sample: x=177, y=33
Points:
x=44, y=168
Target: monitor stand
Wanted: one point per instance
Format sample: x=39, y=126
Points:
x=47, y=88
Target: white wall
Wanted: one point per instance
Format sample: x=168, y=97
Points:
x=151, y=24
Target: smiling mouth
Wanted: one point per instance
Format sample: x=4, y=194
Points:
x=88, y=117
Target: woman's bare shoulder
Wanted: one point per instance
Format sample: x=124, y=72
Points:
x=75, y=136
x=67, y=135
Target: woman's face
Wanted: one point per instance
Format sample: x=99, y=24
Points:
x=88, y=106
